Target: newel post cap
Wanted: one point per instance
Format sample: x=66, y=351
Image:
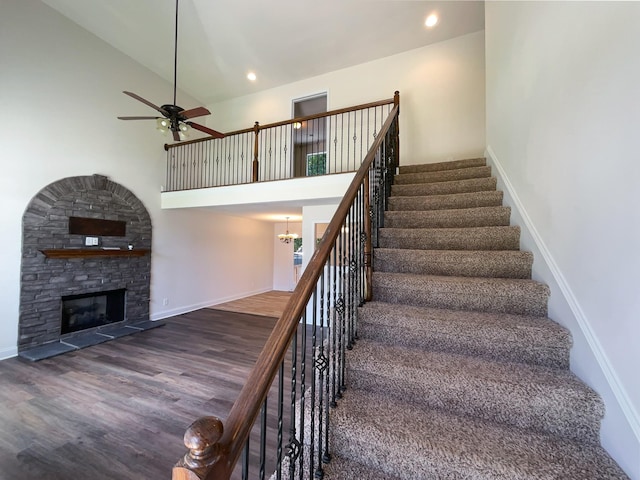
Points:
x=201, y=438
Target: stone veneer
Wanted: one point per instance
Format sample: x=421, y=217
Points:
x=45, y=225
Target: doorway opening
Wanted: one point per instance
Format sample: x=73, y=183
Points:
x=309, y=137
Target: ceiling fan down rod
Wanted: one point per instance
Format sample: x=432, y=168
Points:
x=175, y=58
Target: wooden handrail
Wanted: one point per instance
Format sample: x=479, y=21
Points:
x=224, y=450
x=257, y=127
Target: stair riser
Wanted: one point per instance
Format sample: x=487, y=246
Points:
x=490, y=238
x=521, y=299
x=445, y=188
x=444, y=202
x=433, y=167
x=470, y=217
x=443, y=176
x=477, y=264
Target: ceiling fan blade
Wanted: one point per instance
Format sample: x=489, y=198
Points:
x=139, y=118
x=146, y=102
x=202, y=128
x=176, y=135
x=195, y=112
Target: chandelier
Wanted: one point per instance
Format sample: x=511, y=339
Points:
x=287, y=237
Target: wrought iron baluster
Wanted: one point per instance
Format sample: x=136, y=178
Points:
x=362, y=150
x=193, y=165
x=263, y=439
x=245, y=461
x=323, y=424
x=303, y=376
x=279, y=149
x=349, y=282
x=198, y=182
x=316, y=372
x=340, y=308
x=272, y=164
x=337, y=307
x=218, y=166
x=280, y=421
x=335, y=147
x=349, y=143
x=342, y=159
x=293, y=447
x=204, y=182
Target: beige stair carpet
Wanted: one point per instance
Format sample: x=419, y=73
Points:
x=458, y=373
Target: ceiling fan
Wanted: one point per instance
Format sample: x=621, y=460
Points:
x=175, y=118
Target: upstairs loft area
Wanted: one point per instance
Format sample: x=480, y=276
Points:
x=314, y=145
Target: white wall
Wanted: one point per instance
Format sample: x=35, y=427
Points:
x=283, y=273
x=563, y=112
x=60, y=93
x=441, y=98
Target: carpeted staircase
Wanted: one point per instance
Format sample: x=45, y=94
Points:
x=458, y=374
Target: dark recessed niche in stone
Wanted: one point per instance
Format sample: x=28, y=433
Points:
x=97, y=226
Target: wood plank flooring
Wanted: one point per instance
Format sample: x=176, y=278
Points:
x=270, y=304
x=120, y=409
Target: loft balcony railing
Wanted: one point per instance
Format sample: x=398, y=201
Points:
x=331, y=142
x=280, y=425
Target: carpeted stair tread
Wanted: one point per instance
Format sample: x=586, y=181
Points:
x=449, y=201
x=445, y=188
x=451, y=165
x=470, y=238
x=502, y=295
x=459, y=263
x=457, y=218
x=496, y=336
x=395, y=437
x=525, y=396
x=442, y=176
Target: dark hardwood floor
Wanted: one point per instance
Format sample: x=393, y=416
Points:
x=118, y=410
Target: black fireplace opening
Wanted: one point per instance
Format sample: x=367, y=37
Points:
x=90, y=310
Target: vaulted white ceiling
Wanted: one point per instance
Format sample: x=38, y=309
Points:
x=282, y=41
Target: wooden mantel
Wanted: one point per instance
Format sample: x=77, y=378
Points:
x=93, y=252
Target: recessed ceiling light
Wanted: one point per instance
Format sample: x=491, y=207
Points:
x=431, y=20
x=251, y=76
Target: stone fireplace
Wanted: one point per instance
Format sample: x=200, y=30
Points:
x=83, y=237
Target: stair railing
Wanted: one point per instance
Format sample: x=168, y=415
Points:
x=326, y=143
x=303, y=359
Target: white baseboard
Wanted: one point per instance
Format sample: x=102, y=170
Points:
x=209, y=303
x=615, y=385
x=8, y=353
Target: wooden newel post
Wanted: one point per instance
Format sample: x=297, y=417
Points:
x=201, y=438
x=256, y=129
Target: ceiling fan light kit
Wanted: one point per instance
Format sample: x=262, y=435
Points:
x=175, y=119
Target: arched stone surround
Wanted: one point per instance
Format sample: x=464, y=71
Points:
x=44, y=281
